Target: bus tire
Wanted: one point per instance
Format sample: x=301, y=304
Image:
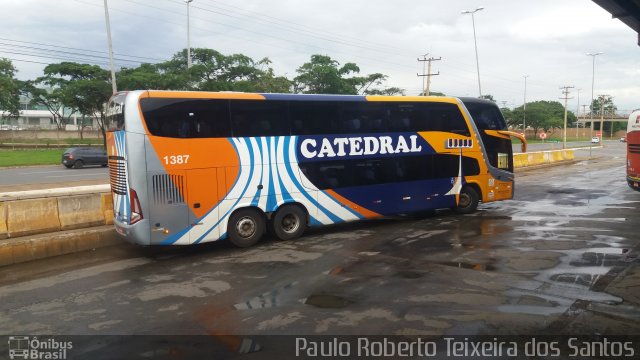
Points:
x=468, y=201
x=245, y=228
x=289, y=222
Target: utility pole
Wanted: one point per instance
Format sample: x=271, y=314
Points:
x=565, y=92
x=427, y=75
x=577, y=112
x=111, y=65
x=188, y=35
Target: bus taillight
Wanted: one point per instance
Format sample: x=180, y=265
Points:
x=136, y=209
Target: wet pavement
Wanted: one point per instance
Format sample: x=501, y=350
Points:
x=561, y=258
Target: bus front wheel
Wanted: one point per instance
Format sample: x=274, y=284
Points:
x=288, y=223
x=246, y=227
x=468, y=201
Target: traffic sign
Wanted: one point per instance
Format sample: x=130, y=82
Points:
x=598, y=134
x=543, y=136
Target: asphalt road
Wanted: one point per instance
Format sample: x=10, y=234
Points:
x=51, y=174
x=561, y=258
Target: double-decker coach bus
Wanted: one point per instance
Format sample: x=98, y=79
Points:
x=633, y=150
x=192, y=167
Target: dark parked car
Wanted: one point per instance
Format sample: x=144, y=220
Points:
x=80, y=156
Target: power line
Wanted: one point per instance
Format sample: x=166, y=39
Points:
x=78, y=49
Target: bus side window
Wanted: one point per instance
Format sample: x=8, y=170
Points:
x=259, y=118
x=314, y=117
x=169, y=128
x=404, y=117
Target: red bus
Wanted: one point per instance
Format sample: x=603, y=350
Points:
x=633, y=150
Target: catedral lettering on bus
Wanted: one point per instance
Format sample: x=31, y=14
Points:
x=355, y=146
x=193, y=167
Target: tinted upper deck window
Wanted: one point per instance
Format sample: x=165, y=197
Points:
x=186, y=118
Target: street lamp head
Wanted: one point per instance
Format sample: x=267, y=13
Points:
x=472, y=11
x=595, y=54
x=188, y=1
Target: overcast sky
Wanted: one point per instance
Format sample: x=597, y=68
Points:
x=544, y=39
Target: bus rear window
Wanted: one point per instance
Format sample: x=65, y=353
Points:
x=115, y=113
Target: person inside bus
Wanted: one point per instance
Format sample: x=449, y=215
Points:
x=185, y=128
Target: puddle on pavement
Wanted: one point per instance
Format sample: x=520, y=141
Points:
x=564, y=191
x=327, y=301
x=266, y=300
x=464, y=265
x=577, y=279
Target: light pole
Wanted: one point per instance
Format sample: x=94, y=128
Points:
x=524, y=109
x=111, y=65
x=578, y=114
x=593, y=78
x=188, y=36
x=475, y=43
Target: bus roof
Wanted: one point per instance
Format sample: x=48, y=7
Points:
x=291, y=97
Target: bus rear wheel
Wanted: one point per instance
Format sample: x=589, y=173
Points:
x=289, y=222
x=468, y=201
x=245, y=228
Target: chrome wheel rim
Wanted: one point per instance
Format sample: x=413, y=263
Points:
x=290, y=223
x=246, y=227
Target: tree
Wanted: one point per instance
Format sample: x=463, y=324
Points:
x=52, y=99
x=269, y=83
x=210, y=71
x=152, y=76
x=386, y=91
x=322, y=75
x=487, y=97
x=546, y=115
x=84, y=87
x=508, y=116
x=603, y=102
x=10, y=88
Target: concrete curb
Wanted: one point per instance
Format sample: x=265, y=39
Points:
x=55, y=192
x=523, y=160
x=33, y=212
x=28, y=248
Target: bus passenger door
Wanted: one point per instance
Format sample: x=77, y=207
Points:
x=168, y=210
x=206, y=187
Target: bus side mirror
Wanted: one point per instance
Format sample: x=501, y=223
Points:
x=523, y=140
